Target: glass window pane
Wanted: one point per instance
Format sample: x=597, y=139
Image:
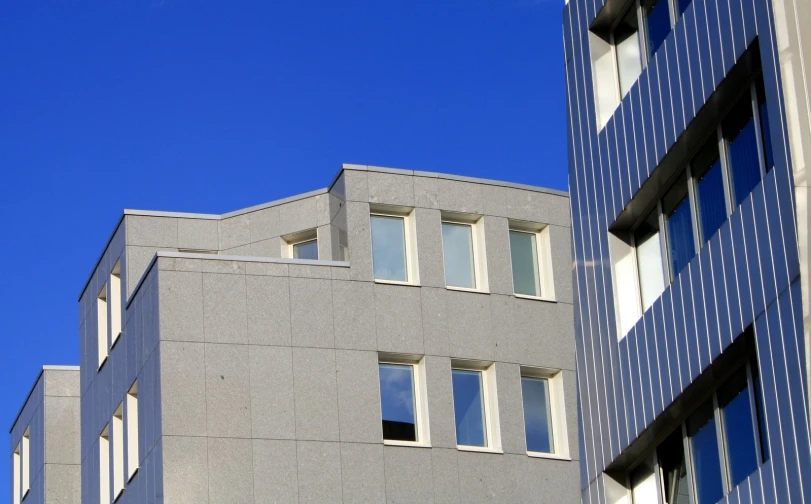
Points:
x=629, y=55
x=388, y=248
x=739, y=434
x=673, y=469
x=457, y=247
x=537, y=415
x=676, y=206
x=649, y=260
x=744, y=163
x=306, y=250
x=657, y=21
x=706, y=460
x=765, y=132
x=524, y=254
x=712, y=210
x=468, y=408
x=397, y=402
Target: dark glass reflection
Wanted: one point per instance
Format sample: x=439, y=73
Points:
x=673, y=469
x=765, y=132
x=706, y=460
x=682, y=6
x=737, y=415
x=397, y=402
x=676, y=206
x=306, y=250
x=764, y=442
x=657, y=21
x=468, y=408
x=537, y=415
x=744, y=163
x=709, y=190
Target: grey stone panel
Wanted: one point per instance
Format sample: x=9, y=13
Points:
x=358, y=396
x=435, y=321
x=440, y=402
x=339, y=273
x=525, y=205
x=272, y=247
x=230, y=471
x=556, y=480
x=510, y=408
x=546, y=333
x=62, y=417
x=298, y=216
x=459, y=196
x=489, y=478
x=133, y=339
x=316, y=394
x=360, y=241
x=398, y=319
x=356, y=184
x=197, y=234
x=236, y=267
x=505, y=328
x=275, y=470
x=181, y=305
x=469, y=325
x=560, y=240
x=224, y=301
x=323, y=209
x=267, y=269
x=234, y=232
x=62, y=484
x=570, y=400
x=228, y=391
x=309, y=271
x=185, y=476
x=445, y=470
x=183, y=388
x=408, y=475
x=363, y=473
x=137, y=259
x=263, y=224
x=324, y=236
x=429, y=247
x=61, y=383
x=268, y=310
x=242, y=250
x=311, y=312
x=319, y=472
x=426, y=192
x=272, y=395
x=499, y=262
x=354, y=315
x=391, y=189
x=151, y=231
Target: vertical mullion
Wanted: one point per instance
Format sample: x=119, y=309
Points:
x=688, y=463
x=691, y=196
x=758, y=132
x=663, y=243
x=722, y=452
x=726, y=174
x=753, y=408
x=642, y=34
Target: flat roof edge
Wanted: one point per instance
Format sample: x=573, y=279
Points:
x=46, y=367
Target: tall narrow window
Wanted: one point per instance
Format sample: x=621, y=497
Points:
x=26, y=462
x=15, y=474
x=709, y=179
x=629, y=57
x=673, y=469
x=735, y=403
x=744, y=161
x=537, y=414
x=682, y=5
x=676, y=207
x=459, y=255
x=526, y=259
x=389, y=254
x=118, y=451
x=657, y=23
x=101, y=326
x=104, y=465
x=649, y=260
x=306, y=250
x=469, y=408
x=115, y=304
x=398, y=402
x=701, y=430
x=132, y=431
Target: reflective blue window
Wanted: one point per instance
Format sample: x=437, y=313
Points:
x=738, y=417
x=537, y=415
x=706, y=459
x=468, y=408
x=306, y=250
x=709, y=190
x=676, y=207
x=388, y=248
x=682, y=5
x=744, y=162
x=397, y=402
x=657, y=22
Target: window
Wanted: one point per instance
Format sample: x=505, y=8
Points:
x=301, y=245
x=643, y=483
x=104, y=465
x=675, y=485
x=537, y=414
x=649, y=260
x=709, y=179
x=118, y=451
x=679, y=219
x=115, y=304
x=531, y=258
x=403, y=402
x=393, y=241
x=463, y=251
x=306, y=250
x=746, y=164
x=475, y=407
x=26, y=462
x=657, y=23
x=132, y=431
x=702, y=434
x=625, y=38
x=101, y=329
x=15, y=472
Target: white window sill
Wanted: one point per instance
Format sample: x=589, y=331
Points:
x=478, y=449
x=548, y=456
x=465, y=289
x=395, y=282
x=536, y=298
x=411, y=444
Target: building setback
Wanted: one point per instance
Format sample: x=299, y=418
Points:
x=361, y=343
x=690, y=129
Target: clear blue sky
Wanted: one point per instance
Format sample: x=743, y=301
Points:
x=211, y=106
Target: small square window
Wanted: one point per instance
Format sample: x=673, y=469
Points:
x=531, y=259
x=301, y=245
x=403, y=403
x=393, y=245
x=475, y=406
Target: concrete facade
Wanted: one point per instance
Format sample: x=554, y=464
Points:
x=50, y=472
x=257, y=374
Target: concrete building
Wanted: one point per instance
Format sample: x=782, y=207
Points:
x=690, y=129
x=398, y=337
x=45, y=462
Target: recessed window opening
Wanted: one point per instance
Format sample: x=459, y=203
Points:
x=26, y=462
x=301, y=245
x=531, y=259
x=104, y=465
x=117, y=425
x=403, y=401
x=538, y=414
x=16, y=462
x=115, y=304
x=475, y=405
x=101, y=326
x=394, y=257
x=463, y=251
x=647, y=241
x=132, y=431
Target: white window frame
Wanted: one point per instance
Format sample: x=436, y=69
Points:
x=410, y=232
x=26, y=462
x=132, y=431
x=290, y=240
x=104, y=465
x=117, y=432
x=557, y=406
x=16, y=462
x=417, y=362
x=114, y=300
x=476, y=223
x=102, y=325
x=489, y=400
x=546, y=279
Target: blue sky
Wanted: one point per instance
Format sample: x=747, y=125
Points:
x=210, y=106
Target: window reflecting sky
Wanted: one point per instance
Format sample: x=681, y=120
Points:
x=397, y=402
x=524, y=253
x=388, y=248
x=744, y=163
x=706, y=460
x=468, y=408
x=537, y=415
x=711, y=202
x=306, y=250
x=658, y=23
x=457, y=247
x=733, y=399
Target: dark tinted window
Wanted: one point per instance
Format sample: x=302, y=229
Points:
x=744, y=163
x=709, y=190
x=739, y=433
x=657, y=23
x=674, y=470
x=676, y=207
x=706, y=459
